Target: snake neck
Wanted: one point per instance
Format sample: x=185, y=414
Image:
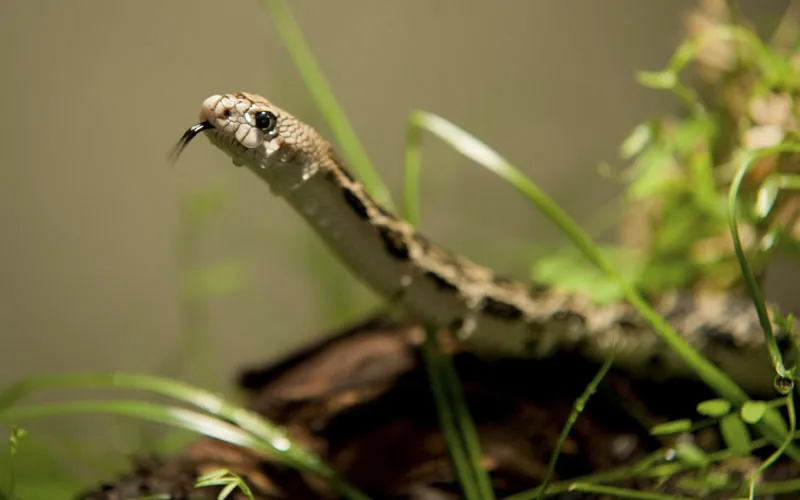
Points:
x=497, y=314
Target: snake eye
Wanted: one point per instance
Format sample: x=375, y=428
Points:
x=266, y=121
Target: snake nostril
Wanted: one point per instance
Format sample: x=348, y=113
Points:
x=226, y=114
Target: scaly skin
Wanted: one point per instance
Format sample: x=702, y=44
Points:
x=493, y=314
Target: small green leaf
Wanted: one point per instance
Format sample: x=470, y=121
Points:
x=672, y=427
x=684, y=54
x=752, y=411
x=718, y=479
x=638, y=139
x=714, y=408
x=212, y=478
x=226, y=491
x=776, y=68
x=691, y=454
x=765, y=198
x=226, y=478
x=664, y=80
x=690, y=135
x=735, y=434
x=657, y=173
x=783, y=322
x=16, y=434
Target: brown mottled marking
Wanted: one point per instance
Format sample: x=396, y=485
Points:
x=441, y=283
x=394, y=243
x=355, y=203
x=385, y=212
x=502, y=310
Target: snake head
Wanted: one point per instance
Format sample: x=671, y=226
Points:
x=247, y=127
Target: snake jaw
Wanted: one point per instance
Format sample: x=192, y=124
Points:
x=273, y=146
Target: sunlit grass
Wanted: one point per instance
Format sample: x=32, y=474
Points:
x=217, y=417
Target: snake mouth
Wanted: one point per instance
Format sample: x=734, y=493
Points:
x=187, y=137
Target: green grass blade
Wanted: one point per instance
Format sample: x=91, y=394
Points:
x=325, y=99
x=270, y=435
x=465, y=469
x=170, y=415
x=462, y=437
x=580, y=404
x=466, y=427
x=412, y=169
x=457, y=425
x=227, y=478
x=617, y=492
x=746, y=159
x=200, y=398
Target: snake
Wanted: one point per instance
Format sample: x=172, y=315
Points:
x=492, y=314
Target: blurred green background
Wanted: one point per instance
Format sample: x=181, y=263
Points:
x=99, y=232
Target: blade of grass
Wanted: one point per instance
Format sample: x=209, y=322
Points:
x=170, y=415
x=466, y=427
x=200, y=398
x=482, y=154
x=459, y=455
x=325, y=99
x=264, y=431
x=745, y=159
x=412, y=169
x=446, y=387
x=224, y=477
x=578, y=407
x=617, y=492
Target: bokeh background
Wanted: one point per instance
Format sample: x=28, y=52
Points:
x=100, y=236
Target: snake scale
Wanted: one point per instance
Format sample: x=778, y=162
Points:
x=491, y=313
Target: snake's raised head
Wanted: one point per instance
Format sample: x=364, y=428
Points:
x=247, y=127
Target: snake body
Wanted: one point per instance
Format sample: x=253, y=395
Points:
x=492, y=313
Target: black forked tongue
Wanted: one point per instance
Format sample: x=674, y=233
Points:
x=187, y=137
